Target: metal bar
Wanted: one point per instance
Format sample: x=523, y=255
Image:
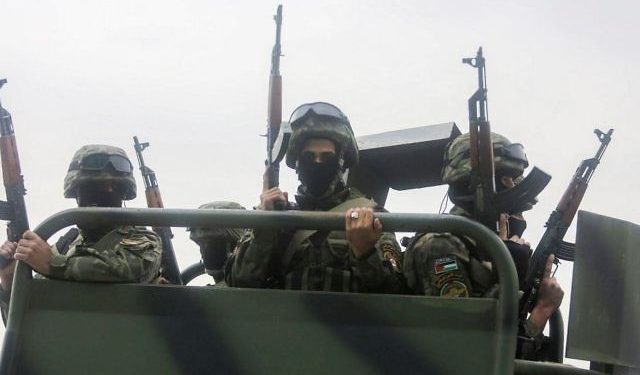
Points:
x=192, y=272
x=394, y=222
x=523, y=367
x=556, y=334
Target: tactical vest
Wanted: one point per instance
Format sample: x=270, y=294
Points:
x=320, y=260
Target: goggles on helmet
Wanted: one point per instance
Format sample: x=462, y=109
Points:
x=98, y=162
x=513, y=151
x=320, y=109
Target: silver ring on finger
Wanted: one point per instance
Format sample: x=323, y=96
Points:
x=354, y=215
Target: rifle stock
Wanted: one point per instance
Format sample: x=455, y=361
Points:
x=169, y=269
x=14, y=209
x=154, y=199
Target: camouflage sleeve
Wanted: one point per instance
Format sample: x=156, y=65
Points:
x=136, y=258
x=252, y=260
x=437, y=264
x=380, y=272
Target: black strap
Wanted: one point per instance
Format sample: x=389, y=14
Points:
x=65, y=241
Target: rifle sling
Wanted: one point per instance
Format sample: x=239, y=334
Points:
x=302, y=235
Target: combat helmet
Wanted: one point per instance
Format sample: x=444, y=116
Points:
x=321, y=120
x=231, y=235
x=509, y=159
x=100, y=163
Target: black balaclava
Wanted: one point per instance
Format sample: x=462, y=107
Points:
x=461, y=195
x=96, y=195
x=214, y=252
x=517, y=223
x=318, y=177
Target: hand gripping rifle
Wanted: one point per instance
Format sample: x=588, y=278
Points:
x=14, y=209
x=487, y=204
x=170, y=269
x=557, y=226
x=276, y=140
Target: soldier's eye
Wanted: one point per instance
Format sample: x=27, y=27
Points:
x=327, y=156
x=317, y=157
x=307, y=157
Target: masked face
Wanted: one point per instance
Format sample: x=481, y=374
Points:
x=517, y=223
x=214, y=252
x=99, y=195
x=318, y=165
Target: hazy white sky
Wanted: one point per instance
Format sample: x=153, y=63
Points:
x=191, y=78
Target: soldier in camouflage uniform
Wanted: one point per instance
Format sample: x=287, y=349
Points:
x=216, y=244
x=98, y=176
x=361, y=259
x=444, y=264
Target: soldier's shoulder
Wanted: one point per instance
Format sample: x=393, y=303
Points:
x=136, y=235
x=357, y=194
x=423, y=239
x=439, y=244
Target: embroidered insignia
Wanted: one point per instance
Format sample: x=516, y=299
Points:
x=389, y=254
x=454, y=289
x=445, y=264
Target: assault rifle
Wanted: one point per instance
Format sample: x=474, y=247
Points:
x=276, y=140
x=485, y=203
x=557, y=226
x=170, y=269
x=14, y=209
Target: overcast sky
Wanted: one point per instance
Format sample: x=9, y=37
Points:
x=191, y=78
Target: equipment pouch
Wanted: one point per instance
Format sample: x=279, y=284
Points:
x=338, y=248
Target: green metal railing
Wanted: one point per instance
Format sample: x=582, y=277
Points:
x=506, y=319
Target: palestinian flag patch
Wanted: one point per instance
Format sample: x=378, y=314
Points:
x=445, y=264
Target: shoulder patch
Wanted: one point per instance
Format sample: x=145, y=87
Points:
x=454, y=289
x=445, y=264
x=389, y=253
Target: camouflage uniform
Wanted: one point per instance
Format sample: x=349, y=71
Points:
x=216, y=244
x=125, y=254
x=122, y=254
x=445, y=264
x=317, y=260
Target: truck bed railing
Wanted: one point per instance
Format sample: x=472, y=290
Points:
x=506, y=311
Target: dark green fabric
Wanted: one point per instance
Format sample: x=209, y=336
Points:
x=321, y=260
